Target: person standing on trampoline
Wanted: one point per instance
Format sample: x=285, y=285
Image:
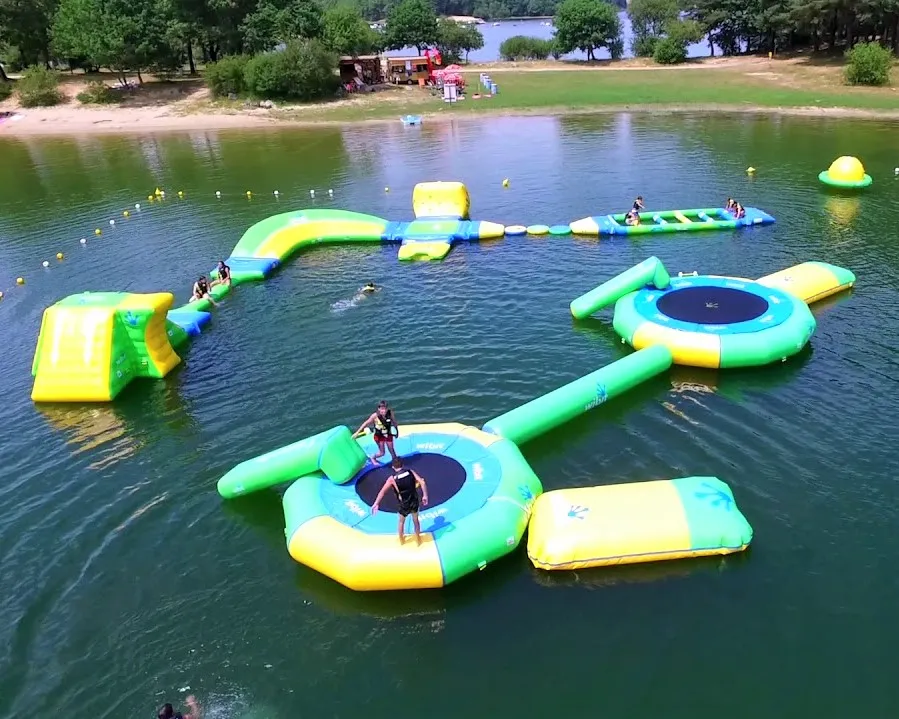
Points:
x=385, y=430
x=405, y=483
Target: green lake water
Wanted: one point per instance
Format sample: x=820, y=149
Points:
x=126, y=580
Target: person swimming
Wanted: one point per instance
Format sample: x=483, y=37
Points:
x=167, y=711
x=369, y=288
x=201, y=291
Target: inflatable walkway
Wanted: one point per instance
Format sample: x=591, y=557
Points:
x=93, y=344
x=481, y=491
x=712, y=218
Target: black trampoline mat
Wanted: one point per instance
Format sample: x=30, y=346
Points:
x=443, y=475
x=712, y=305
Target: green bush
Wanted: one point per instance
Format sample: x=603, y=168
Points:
x=226, y=77
x=669, y=51
x=5, y=90
x=304, y=71
x=262, y=76
x=868, y=63
x=645, y=45
x=522, y=47
x=38, y=87
x=97, y=93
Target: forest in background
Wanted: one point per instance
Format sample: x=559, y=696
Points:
x=166, y=35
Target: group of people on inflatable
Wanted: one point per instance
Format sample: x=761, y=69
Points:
x=735, y=208
x=410, y=488
x=203, y=287
x=633, y=215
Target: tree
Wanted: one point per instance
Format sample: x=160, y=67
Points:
x=588, y=25
x=648, y=20
x=123, y=35
x=25, y=25
x=412, y=23
x=455, y=39
x=276, y=22
x=346, y=33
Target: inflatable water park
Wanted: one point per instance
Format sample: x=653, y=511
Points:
x=484, y=495
x=91, y=345
x=488, y=495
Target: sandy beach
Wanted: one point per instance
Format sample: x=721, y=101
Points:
x=185, y=106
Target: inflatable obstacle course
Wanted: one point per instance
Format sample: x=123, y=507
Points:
x=481, y=489
x=91, y=345
x=712, y=218
x=710, y=321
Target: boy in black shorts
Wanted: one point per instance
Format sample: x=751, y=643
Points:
x=405, y=482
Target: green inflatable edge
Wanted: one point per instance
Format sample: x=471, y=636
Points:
x=858, y=185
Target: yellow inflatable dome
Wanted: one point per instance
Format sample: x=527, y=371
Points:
x=846, y=172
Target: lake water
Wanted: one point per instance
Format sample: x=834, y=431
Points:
x=126, y=580
x=495, y=33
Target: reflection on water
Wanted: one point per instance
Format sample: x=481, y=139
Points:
x=842, y=210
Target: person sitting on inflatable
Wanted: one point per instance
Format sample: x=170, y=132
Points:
x=201, y=291
x=730, y=204
x=224, y=275
x=384, y=424
x=632, y=218
x=739, y=211
x=405, y=483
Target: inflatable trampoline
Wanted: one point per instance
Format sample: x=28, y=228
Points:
x=480, y=494
x=710, y=321
x=714, y=218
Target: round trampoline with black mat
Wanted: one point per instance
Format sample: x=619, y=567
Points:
x=711, y=321
x=480, y=490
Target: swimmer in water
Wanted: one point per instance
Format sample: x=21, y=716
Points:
x=370, y=288
x=168, y=712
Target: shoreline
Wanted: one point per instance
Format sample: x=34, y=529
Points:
x=98, y=122
x=531, y=89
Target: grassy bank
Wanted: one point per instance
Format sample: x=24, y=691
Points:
x=751, y=84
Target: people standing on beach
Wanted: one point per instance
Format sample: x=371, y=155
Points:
x=224, y=275
x=168, y=712
x=201, y=291
x=405, y=483
x=385, y=430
